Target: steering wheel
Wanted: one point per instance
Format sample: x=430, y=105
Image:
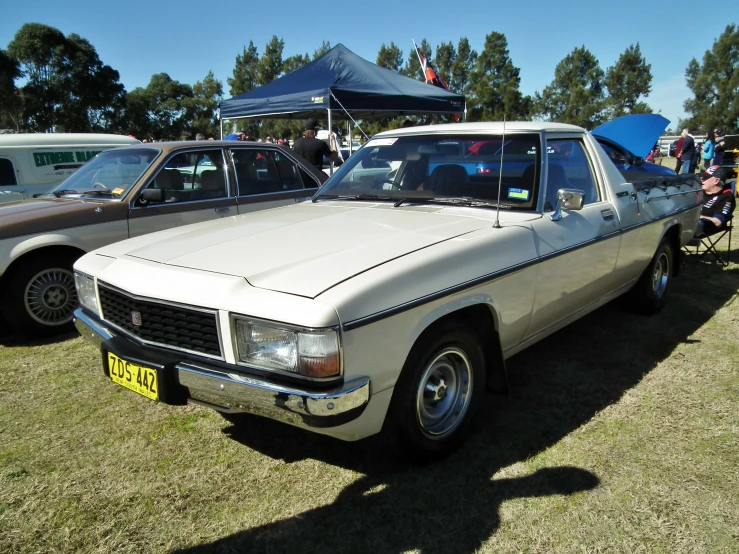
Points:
x=100, y=186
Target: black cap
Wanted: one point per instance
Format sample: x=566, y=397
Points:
x=311, y=124
x=713, y=171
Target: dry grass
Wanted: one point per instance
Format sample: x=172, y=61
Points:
x=620, y=434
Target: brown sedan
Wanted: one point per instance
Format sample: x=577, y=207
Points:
x=124, y=193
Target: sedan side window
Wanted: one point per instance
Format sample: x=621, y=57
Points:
x=191, y=176
x=289, y=172
x=568, y=167
x=256, y=172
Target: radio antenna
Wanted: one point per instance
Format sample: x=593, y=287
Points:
x=496, y=225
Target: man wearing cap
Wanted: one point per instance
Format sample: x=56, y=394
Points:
x=719, y=145
x=311, y=148
x=718, y=202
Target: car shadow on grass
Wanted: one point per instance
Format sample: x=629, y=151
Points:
x=556, y=386
x=9, y=337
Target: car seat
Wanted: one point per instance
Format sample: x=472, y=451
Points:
x=446, y=180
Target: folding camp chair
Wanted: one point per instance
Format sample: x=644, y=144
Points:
x=706, y=246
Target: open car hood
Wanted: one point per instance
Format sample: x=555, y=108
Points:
x=638, y=133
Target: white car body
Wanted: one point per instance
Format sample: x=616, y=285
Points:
x=382, y=275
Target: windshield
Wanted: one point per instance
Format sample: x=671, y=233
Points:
x=449, y=169
x=110, y=174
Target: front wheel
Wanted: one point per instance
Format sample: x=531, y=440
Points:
x=41, y=296
x=649, y=295
x=438, y=393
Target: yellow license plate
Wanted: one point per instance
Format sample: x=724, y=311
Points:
x=140, y=379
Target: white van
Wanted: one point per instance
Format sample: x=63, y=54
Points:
x=35, y=163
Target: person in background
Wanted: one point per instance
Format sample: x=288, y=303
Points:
x=718, y=202
x=687, y=153
x=200, y=136
x=719, y=145
x=707, y=151
x=268, y=139
x=242, y=136
x=311, y=148
x=678, y=152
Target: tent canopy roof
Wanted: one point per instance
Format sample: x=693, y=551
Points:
x=341, y=78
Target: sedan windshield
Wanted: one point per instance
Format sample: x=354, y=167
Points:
x=109, y=175
x=450, y=169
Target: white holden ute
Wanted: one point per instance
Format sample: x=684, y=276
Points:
x=393, y=298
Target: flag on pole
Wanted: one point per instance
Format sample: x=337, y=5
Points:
x=430, y=74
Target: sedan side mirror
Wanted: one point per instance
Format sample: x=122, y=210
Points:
x=568, y=199
x=638, y=160
x=153, y=196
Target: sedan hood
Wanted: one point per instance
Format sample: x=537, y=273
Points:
x=43, y=215
x=638, y=133
x=304, y=249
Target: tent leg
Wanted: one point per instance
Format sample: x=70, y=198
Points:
x=221, y=122
x=331, y=164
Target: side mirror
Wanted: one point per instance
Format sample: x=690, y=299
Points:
x=568, y=199
x=153, y=196
x=638, y=160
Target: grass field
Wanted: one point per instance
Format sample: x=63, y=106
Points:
x=619, y=434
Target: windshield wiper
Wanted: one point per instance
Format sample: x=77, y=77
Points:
x=63, y=192
x=97, y=193
x=353, y=197
x=465, y=201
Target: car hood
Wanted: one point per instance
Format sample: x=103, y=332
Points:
x=638, y=133
x=303, y=249
x=27, y=217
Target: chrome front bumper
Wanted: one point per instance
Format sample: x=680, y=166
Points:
x=234, y=391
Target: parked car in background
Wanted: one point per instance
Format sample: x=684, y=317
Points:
x=127, y=192
x=392, y=300
x=34, y=163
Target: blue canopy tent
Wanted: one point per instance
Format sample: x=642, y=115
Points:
x=341, y=85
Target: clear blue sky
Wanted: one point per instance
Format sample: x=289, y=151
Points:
x=188, y=38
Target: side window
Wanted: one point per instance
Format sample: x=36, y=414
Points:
x=256, y=172
x=568, y=167
x=7, y=173
x=309, y=181
x=191, y=176
x=616, y=157
x=288, y=170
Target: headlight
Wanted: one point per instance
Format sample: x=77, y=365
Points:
x=86, y=291
x=274, y=347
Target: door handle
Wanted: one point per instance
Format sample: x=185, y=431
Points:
x=220, y=209
x=607, y=214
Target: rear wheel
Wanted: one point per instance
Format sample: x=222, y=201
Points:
x=438, y=393
x=649, y=295
x=41, y=296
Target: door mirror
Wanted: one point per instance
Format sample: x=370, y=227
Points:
x=637, y=161
x=151, y=196
x=568, y=199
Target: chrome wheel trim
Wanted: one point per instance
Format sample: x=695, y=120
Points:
x=50, y=297
x=660, y=275
x=444, y=393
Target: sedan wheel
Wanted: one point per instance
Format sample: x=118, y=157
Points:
x=50, y=297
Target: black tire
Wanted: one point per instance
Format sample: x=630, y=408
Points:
x=40, y=296
x=438, y=394
x=649, y=295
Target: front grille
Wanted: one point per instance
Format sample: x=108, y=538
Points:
x=164, y=324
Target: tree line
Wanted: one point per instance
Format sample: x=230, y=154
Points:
x=49, y=81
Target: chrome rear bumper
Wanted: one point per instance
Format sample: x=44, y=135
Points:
x=234, y=391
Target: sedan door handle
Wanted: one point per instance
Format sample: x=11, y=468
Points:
x=223, y=209
x=607, y=214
